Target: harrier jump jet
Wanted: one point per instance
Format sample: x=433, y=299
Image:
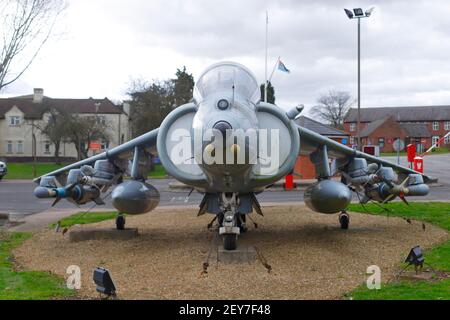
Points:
x=230, y=146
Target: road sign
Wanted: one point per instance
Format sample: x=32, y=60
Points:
x=398, y=145
x=95, y=146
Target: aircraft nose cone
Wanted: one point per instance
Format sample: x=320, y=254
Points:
x=223, y=126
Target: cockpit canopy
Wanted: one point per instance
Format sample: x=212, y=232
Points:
x=221, y=77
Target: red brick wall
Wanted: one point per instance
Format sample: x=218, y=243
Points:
x=305, y=169
x=391, y=130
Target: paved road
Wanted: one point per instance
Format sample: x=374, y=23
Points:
x=437, y=166
x=17, y=196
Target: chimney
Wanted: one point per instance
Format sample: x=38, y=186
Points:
x=38, y=95
x=126, y=108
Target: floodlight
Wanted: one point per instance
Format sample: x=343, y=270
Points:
x=369, y=11
x=358, y=12
x=415, y=257
x=104, y=282
x=349, y=13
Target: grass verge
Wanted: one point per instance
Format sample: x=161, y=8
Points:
x=26, y=285
x=24, y=171
x=83, y=218
x=437, y=213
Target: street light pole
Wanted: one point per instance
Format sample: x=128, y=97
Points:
x=359, y=86
x=358, y=13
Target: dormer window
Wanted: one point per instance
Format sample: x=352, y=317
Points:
x=15, y=120
x=435, y=126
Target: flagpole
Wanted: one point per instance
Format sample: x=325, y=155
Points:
x=273, y=71
x=267, y=54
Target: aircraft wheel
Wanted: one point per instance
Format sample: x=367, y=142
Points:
x=230, y=242
x=344, y=220
x=120, y=223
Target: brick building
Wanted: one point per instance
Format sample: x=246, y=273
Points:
x=304, y=168
x=422, y=126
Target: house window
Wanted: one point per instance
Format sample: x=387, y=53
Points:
x=447, y=125
x=105, y=144
x=447, y=139
x=20, y=147
x=47, y=147
x=435, y=140
x=14, y=121
x=381, y=142
x=352, y=127
x=101, y=120
x=9, y=147
x=435, y=126
x=352, y=140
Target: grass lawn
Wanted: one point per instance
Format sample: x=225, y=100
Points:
x=437, y=213
x=26, y=285
x=159, y=172
x=24, y=171
x=435, y=151
x=82, y=218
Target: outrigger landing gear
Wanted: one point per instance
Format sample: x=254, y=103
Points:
x=229, y=226
x=120, y=222
x=344, y=220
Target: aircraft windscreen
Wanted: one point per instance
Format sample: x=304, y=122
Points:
x=222, y=77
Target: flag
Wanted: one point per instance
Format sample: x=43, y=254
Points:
x=282, y=67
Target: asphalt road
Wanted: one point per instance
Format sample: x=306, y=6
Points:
x=17, y=196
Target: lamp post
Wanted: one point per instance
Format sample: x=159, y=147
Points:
x=358, y=13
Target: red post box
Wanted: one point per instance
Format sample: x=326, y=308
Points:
x=418, y=164
x=411, y=150
x=289, y=182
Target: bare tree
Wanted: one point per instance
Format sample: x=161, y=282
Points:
x=54, y=128
x=333, y=106
x=81, y=131
x=26, y=25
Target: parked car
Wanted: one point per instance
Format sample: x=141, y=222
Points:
x=3, y=170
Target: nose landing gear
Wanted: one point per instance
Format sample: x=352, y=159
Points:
x=229, y=226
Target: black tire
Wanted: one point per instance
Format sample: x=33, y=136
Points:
x=344, y=220
x=120, y=223
x=230, y=242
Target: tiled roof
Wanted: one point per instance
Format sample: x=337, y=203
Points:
x=318, y=127
x=416, y=130
x=35, y=110
x=371, y=127
x=402, y=114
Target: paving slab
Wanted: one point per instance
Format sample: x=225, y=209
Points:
x=87, y=234
x=243, y=254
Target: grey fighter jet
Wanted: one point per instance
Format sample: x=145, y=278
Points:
x=230, y=146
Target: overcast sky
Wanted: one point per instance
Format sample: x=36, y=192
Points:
x=106, y=43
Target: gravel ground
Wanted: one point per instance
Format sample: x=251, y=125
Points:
x=311, y=258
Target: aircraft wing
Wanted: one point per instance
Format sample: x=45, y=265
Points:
x=115, y=155
x=311, y=141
